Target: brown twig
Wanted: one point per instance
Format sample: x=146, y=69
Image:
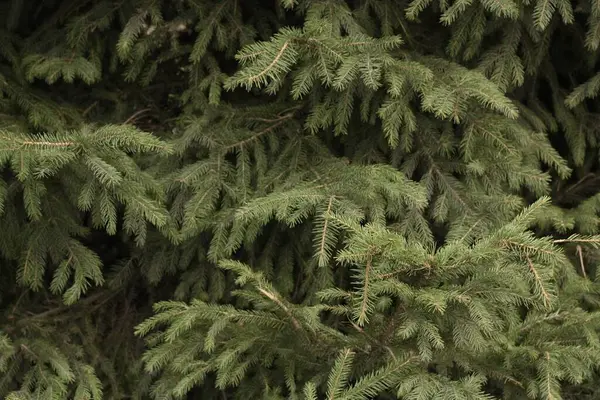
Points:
x=579, y=252
x=59, y=310
x=135, y=115
x=90, y=108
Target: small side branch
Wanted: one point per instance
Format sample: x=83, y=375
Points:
x=258, y=76
x=274, y=298
x=135, y=116
x=325, y=226
x=269, y=129
x=365, y=294
x=43, y=143
x=579, y=251
x=577, y=240
x=379, y=343
x=538, y=279
x=23, y=143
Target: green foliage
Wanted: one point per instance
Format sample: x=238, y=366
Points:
x=299, y=199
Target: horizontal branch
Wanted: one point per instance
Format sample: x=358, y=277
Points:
x=44, y=143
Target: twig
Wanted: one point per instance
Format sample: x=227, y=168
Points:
x=285, y=114
x=256, y=77
x=90, y=108
x=363, y=306
x=59, y=310
x=579, y=182
x=274, y=298
x=325, y=226
x=43, y=143
x=260, y=133
x=575, y=240
x=548, y=387
x=579, y=252
x=388, y=348
x=509, y=243
x=23, y=293
x=134, y=116
x=539, y=281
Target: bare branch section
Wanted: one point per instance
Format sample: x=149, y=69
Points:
x=133, y=118
x=581, y=263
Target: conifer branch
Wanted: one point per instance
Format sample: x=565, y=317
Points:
x=579, y=252
x=286, y=114
x=413, y=175
x=256, y=78
x=276, y=300
x=538, y=280
x=339, y=373
x=89, y=108
x=52, y=312
x=269, y=129
x=25, y=142
x=135, y=115
x=362, y=315
x=528, y=248
x=324, y=230
x=45, y=143
x=548, y=378
x=374, y=340
x=578, y=240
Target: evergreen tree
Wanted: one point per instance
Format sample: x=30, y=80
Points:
x=299, y=199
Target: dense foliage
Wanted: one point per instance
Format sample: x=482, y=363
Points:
x=299, y=199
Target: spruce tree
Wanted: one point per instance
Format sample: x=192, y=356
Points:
x=299, y=199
